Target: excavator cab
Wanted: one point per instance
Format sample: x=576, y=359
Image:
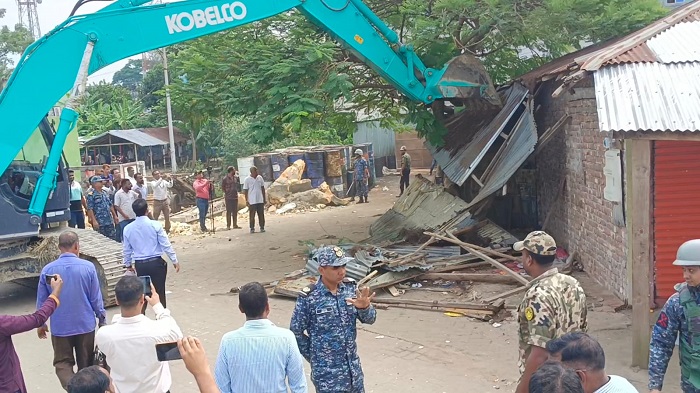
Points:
x=17, y=188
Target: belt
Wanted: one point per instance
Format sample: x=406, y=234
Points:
x=154, y=259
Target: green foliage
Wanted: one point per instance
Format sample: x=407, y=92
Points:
x=12, y=41
x=107, y=107
x=130, y=76
x=151, y=90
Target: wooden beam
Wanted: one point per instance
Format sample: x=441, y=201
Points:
x=506, y=294
x=638, y=157
x=437, y=304
x=481, y=277
x=491, y=251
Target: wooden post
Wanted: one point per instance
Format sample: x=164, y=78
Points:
x=640, y=260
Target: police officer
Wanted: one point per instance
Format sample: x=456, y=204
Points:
x=553, y=305
x=680, y=314
x=100, y=209
x=324, y=323
x=360, y=176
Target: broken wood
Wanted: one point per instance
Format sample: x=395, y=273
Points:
x=476, y=314
x=391, y=278
x=480, y=277
x=483, y=256
x=506, y=294
x=367, y=278
x=488, y=250
x=393, y=291
x=436, y=304
x=461, y=266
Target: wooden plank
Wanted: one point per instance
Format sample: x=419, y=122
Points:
x=435, y=303
x=638, y=154
x=291, y=288
x=367, y=278
x=481, y=277
x=393, y=291
x=391, y=278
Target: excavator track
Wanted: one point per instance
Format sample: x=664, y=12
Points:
x=104, y=252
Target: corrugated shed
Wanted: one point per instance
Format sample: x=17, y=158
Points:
x=519, y=145
x=680, y=43
x=676, y=209
x=639, y=54
x=124, y=136
x=423, y=207
x=382, y=139
x=457, y=163
x=649, y=96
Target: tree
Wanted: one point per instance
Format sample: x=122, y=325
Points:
x=151, y=90
x=107, y=107
x=130, y=76
x=286, y=76
x=11, y=42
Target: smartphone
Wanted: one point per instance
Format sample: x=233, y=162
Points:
x=167, y=352
x=146, y=281
x=49, y=277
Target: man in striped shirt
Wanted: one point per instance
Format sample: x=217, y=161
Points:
x=259, y=357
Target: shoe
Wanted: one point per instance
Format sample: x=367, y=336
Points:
x=252, y=230
x=228, y=228
x=366, y=200
x=237, y=227
x=262, y=229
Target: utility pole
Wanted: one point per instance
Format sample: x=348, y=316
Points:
x=173, y=162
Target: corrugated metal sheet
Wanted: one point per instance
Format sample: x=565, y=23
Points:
x=651, y=96
x=124, y=136
x=678, y=44
x=676, y=208
x=639, y=54
x=163, y=134
x=423, y=207
x=459, y=165
x=382, y=139
x=519, y=145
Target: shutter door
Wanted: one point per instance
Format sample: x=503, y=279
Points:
x=676, y=208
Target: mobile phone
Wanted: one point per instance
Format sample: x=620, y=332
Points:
x=167, y=352
x=146, y=281
x=49, y=277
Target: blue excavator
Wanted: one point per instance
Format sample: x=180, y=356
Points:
x=60, y=62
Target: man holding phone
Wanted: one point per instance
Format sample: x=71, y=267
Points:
x=129, y=343
x=11, y=379
x=73, y=325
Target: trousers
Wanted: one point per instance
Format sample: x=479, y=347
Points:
x=77, y=219
x=231, y=212
x=162, y=206
x=405, y=174
x=157, y=268
x=203, y=207
x=259, y=209
x=69, y=351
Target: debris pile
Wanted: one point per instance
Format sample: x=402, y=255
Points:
x=290, y=188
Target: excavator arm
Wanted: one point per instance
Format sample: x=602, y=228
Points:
x=51, y=66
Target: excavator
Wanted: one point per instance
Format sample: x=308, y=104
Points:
x=61, y=61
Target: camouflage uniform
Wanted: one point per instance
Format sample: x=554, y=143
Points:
x=325, y=328
x=101, y=206
x=361, y=167
x=680, y=314
x=554, y=304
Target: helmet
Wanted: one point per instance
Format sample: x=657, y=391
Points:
x=403, y=148
x=688, y=254
x=359, y=152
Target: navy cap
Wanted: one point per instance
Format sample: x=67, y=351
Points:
x=330, y=256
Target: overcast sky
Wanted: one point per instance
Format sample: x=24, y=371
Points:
x=53, y=12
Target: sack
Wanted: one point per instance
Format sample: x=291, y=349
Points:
x=99, y=359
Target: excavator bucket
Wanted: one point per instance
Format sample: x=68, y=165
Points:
x=466, y=79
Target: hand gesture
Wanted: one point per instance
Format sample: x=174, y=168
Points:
x=193, y=355
x=177, y=268
x=41, y=332
x=56, y=285
x=154, y=298
x=363, y=300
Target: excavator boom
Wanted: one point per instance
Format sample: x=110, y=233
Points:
x=50, y=66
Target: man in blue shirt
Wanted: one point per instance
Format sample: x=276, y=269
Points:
x=100, y=209
x=361, y=174
x=324, y=323
x=73, y=325
x=145, y=242
x=259, y=342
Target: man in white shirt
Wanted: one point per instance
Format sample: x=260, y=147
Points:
x=583, y=354
x=130, y=174
x=129, y=342
x=259, y=357
x=123, y=199
x=161, y=198
x=254, y=191
x=140, y=186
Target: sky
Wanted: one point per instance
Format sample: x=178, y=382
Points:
x=53, y=12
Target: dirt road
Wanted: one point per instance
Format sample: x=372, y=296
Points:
x=404, y=351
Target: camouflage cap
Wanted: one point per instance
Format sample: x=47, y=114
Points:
x=537, y=242
x=95, y=179
x=330, y=256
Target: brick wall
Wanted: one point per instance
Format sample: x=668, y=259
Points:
x=582, y=221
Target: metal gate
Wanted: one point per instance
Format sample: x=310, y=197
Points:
x=676, y=209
